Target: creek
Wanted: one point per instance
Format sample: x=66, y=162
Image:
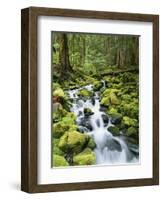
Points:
x=109, y=149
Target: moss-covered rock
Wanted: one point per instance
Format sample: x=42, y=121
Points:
x=131, y=131
x=58, y=112
x=109, y=97
x=130, y=109
x=88, y=112
x=105, y=101
x=59, y=161
x=56, y=149
x=73, y=140
x=91, y=143
x=56, y=86
x=86, y=157
x=85, y=93
x=114, y=130
x=59, y=93
x=97, y=85
x=129, y=121
x=115, y=116
x=61, y=127
x=113, y=99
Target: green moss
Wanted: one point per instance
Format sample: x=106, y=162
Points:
x=130, y=109
x=56, y=149
x=126, y=97
x=63, y=142
x=114, y=130
x=131, y=131
x=129, y=121
x=85, y=93
x=113, y=99
x=105, y=101
x=61, y=127
x=91, y=144
x=86, y=157
x=69, y=119
x=97, y=85
x=73, y=140
x=58, y=93
x=59, y=161
x=76, y=138
x=58, y=112
x=56, y=86
x=112, y=111
x=109, y=96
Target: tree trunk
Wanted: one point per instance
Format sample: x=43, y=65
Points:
x=64, y=56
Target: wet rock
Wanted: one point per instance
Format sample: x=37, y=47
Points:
x=88, y=112
x=98, y=122
x=114, y=145
x=86, y=123
x=82, y=129
x=133, y=148
x=103, y=108
x=116, y=118
x=93, y=100
x=105, y=119
x=80, y=113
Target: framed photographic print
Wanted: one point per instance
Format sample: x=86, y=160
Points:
x=90, y=99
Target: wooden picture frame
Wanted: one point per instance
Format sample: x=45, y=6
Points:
x=29, y=97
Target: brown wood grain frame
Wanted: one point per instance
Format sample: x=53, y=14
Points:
x=29, y=174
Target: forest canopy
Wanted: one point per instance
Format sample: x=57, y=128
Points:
x=93, y=54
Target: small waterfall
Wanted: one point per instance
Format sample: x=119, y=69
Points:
x=109, y=149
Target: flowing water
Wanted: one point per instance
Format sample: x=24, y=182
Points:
x=109, y=149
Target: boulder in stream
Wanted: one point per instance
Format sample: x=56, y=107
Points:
x=86, y=157
x=114, y=130
x=105, y=119
x=88, y=112
x=86, y=123
x=114, y=145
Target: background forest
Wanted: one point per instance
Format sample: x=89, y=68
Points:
x=103, y=70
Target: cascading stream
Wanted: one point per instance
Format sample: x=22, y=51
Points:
x=109, y=149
